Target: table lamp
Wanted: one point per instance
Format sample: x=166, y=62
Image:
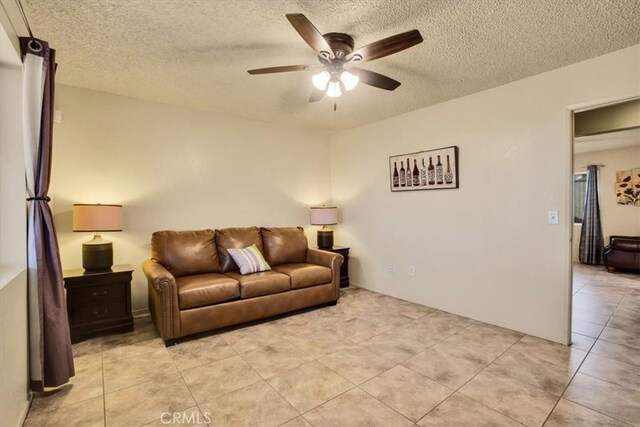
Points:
x=97, y=254
x=324, y=216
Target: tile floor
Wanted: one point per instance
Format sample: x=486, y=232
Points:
x=370, y=360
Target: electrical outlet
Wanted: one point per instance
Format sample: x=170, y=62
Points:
x=412, y=270
x=392, y=268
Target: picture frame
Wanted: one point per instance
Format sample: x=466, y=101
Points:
x=430, y=169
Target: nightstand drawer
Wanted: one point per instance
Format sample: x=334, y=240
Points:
x=87, y=313
x=100, y=294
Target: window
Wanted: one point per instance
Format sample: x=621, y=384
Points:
x=579, y=196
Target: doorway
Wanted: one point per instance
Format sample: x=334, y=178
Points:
x=606, y=144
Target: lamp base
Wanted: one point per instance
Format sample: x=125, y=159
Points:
x=325, y=239
x=97, y=254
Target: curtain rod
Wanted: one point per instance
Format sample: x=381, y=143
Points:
x=584, y=167
x=24, y=18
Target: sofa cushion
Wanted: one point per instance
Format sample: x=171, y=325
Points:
x=206, y=289
x=236, y=238
x=249, y=260
x=186, y=252
x=263, y=283
x=304, y=275
x=284, y=245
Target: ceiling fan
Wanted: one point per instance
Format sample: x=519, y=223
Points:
x=336, y=54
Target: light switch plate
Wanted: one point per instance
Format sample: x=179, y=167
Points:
x=553, y=218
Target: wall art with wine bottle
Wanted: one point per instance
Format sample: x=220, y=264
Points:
x=424, y=170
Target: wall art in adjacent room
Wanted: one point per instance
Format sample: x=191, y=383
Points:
x=628, y=187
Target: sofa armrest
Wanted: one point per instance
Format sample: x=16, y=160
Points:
x=163, y=299
x=328, y=259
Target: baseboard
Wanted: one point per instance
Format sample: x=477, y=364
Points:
x=25, y=411
x=138, y=314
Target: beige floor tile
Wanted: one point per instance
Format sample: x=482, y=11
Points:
x=191, y=417
x=309, y=385
x=255, y=405
x=396, y=345
x=388, y=319
x=619, y=336
x=146, y=402
x=460, y=411
x=297, y=422
x=409, y=309
x=551, y=352
x=594, y=306
x=483, y=334
x=485, y=342
x=604, y=397
x=582, y=342
x=359, y=329
x=450, y=364
x=629, y=309
x=87, y=413
x=618, y=352
x=251, y=337
x=586, y=328
x=86, y=384
x=567, y=413
x=214, y=379
x=134, y=370
x=521, y=402
x=144, y=339
x=407, y=392
x=613, y=371
x=590, y=316
x=357, y=363
x=87, y=353
x=275, y=358
x=624, y=323
x=190, y=354
x=441, y=325
x=359, y=408
x=526, y=367
x=320, y=343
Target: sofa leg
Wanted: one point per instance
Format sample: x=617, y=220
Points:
x=170, y=342
x=332, y=302
x=611, y=269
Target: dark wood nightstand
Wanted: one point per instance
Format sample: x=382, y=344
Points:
x=98, y=302
x=344, y=269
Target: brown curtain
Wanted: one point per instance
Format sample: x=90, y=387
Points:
x=51, y=357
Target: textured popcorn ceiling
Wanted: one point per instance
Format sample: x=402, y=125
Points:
x=195, y=53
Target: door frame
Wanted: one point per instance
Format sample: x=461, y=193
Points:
x=571, y=110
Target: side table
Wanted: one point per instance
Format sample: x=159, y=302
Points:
x=98, y=302
x=344, y=269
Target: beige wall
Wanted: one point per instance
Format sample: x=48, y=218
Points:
x=14, y=374
x=484, y=250
x=616, y=219
x=174, y=168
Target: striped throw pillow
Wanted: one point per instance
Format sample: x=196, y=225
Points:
x=249, y=260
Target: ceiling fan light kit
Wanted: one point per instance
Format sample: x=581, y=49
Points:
x=335, y=51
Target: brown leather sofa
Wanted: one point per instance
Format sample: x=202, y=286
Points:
x=195, y=286
x=622, y=252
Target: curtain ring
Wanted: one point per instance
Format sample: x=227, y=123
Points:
x=35, y=45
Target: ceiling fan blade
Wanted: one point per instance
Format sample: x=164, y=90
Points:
x=309, y=33
x=281, y=69
x=316, y=95
x=388, y=46
x=374, y=79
